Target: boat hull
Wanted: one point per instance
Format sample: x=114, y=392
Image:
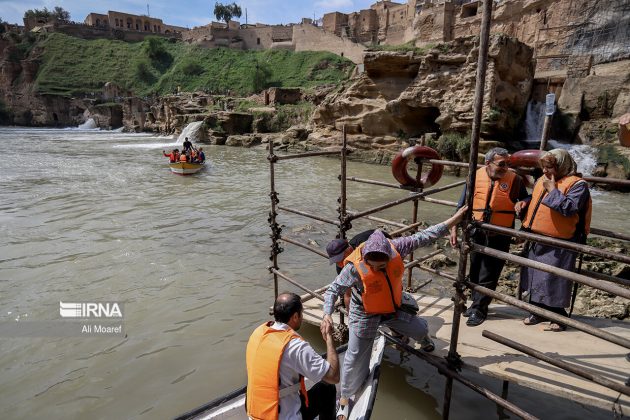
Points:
x=185, y=168
x=232, y=406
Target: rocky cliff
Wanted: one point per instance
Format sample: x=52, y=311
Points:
x=405, y=95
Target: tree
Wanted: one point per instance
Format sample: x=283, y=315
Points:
x=226, y=12
x=58, y=13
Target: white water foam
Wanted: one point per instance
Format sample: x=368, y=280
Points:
x=191, y=131
x=583, y=155
x=534, y=122
x=90, y=124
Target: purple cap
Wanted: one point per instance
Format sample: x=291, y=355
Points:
x=377, y=242
x=335, y=250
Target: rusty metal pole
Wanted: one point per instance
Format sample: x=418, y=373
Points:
x=344, y=224
x=414, y=220
x=453, y=358
x=275, y=228
x=545, y=132
x=342, y=178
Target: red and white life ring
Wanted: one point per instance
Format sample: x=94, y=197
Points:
x=399, y=167
x=527, y=158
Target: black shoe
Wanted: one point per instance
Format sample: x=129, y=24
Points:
x=476, y=318
x=467, y=312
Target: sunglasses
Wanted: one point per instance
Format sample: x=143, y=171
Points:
x=502, y=164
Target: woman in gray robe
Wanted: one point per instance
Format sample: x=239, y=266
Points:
x=543, y=289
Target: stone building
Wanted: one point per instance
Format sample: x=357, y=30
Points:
x=128, y=22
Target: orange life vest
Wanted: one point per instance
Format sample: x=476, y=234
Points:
x=382, y=293
x=544, y=220
x=496, y=208
x=183, y=158
x=263, y=356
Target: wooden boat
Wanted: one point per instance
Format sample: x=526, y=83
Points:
x=185, y=168
x=232, y=405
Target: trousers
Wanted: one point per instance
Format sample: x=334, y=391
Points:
x=356, y=363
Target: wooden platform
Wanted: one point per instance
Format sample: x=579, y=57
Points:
x=490, y=358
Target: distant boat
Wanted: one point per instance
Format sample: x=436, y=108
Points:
x=185, y=168
x=232, y=405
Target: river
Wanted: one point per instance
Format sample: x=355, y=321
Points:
x=96, y=216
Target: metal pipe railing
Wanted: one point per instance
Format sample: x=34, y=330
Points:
x=575, y=369
x=459, y=298
x=385, y=221
x=609, y=233
x=445, y=274
x=275, y=228
x=405, y=200
x=301, y=245
x=422, y=259
x=552, y=316
x=573, y=246
x=379, y=183
x=570, y=275
x=307, y=154
x=437, y=201
x=301, y=286
x=605, y=277
x=312, y=216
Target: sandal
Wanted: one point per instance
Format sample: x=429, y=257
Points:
x=533, y=320
x=555, y=327
x=343, y=410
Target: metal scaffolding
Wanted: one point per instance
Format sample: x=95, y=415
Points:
x=451, y=367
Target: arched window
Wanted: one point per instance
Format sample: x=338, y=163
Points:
x=129, y=23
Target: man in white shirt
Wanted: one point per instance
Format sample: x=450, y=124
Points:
x=277, y=361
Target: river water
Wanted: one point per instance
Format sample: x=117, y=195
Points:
x=96, y=216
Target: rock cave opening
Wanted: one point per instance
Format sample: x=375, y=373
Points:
x=418, y=121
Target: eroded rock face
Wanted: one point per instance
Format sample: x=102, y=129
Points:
x=402, y=95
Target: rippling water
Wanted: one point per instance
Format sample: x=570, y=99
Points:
x=97, y=216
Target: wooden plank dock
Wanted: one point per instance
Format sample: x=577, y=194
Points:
x=496, y=360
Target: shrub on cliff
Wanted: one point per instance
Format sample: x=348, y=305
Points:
x=71, y=66
x=452, y=146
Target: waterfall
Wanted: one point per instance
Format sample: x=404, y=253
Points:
x=585, y=156
x=534, y=122
x=192, y=131
x=90, y=124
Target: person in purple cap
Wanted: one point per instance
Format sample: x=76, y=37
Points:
x=374, y=272
x=339, y=249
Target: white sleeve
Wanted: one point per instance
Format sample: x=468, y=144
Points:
x=302, y=358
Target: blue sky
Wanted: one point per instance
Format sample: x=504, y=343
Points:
x=188, y=13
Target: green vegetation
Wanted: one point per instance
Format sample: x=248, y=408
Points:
x=452, y=146
x=608, y=153
x=284, y=117
x=72, y=66
x=226, y=12
x=58, y=13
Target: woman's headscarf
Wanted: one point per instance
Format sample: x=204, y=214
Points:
x=565, y=165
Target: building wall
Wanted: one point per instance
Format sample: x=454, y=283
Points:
x=96, y=19
x=257, y=38
x=312, y=38
x=334, y=22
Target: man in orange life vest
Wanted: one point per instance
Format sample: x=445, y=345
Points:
x=173, y=156
x=374, y=272
x=278, y=359
x=496, y=192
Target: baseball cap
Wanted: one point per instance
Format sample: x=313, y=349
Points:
x=335, y=250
